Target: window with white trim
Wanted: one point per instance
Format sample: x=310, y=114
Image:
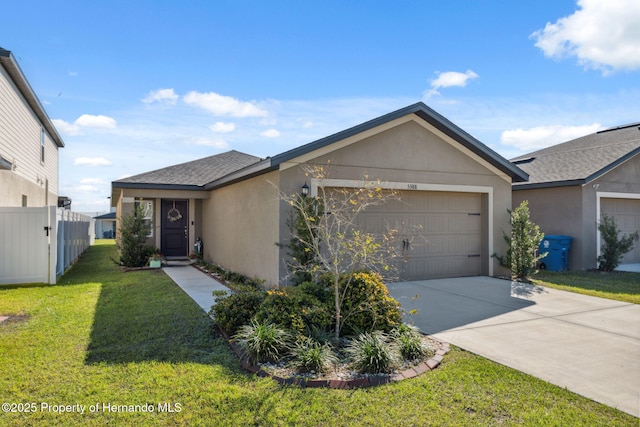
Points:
x=147, y=207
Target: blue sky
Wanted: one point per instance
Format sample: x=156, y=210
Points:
x=134, y=86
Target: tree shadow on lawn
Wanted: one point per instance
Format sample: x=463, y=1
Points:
x=152, y=320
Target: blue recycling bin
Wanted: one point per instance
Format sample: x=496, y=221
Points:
x=557, y=248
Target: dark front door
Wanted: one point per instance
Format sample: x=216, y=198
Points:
x=175, y=227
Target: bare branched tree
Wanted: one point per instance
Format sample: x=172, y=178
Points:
x=327, y=232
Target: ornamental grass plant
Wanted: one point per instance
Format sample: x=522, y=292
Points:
x=263, y=342
x=309, y=355
x=372, y=352
x=410, y=343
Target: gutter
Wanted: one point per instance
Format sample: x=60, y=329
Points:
x=8, y=61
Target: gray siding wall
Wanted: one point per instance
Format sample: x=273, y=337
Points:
x=20, y=143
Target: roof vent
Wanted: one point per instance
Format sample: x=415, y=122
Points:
x=522, y=161
x=630, y=125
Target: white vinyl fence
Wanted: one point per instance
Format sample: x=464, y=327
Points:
x=40, y=244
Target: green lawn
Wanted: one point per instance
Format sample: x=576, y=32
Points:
x=621, y=286
x=103, y=339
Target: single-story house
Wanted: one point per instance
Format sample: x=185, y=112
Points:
x=452, y=185
x=105, y=226
x=571, y=185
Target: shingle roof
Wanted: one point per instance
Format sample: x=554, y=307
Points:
x=233, y=166
x=581, y=160
x=110, y=215
x=419, y=109
x=195, y=174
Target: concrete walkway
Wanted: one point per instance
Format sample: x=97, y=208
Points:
x=198, y=285
x=589, y=345
x=632, y=268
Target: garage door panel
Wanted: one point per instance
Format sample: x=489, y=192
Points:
x=444, y=229
x=439, y=267
x=464, y=244
x=627, y=215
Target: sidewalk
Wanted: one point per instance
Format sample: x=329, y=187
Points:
x=198, y=285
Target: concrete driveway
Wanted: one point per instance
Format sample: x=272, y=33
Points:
x=589, y=345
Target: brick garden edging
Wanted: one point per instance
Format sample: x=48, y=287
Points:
x=374, y=380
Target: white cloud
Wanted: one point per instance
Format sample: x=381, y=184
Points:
x=66, y=128
x=164, y=96
x=91, y=161
x=449, y=79
x=602, y=35
x=215, y=143
x=221, y=105
x=86, y=188
x=222, y=127
x=84, y=121
x=91, y=121
x=92, y=181
x=544, y=136
x=73, y=73
x=270, y=133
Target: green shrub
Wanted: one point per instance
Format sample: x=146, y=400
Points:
x=230, y=312
x=293, y=308
x=613, y=246
x=318, y=290
x=522, y=243
x=372, y=353
x=410, y=343
x=309, y=355
x=132, y=238
x=263, y=342
x=367, y=305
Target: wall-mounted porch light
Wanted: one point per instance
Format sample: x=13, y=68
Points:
x=304, y=190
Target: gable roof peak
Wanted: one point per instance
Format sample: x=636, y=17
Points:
x=424, y=112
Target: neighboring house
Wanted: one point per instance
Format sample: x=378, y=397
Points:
x=38, y=240
x=571, y=185
x=451, y=184
x=105, y=226
x=29, y=142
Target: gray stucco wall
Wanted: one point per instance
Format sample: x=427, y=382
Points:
x=241, y=227
x=413, y=154
x=558, y=211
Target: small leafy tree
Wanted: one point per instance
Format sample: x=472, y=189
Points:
x=523, y=241
x=132, y=237
x=327, y=233
x=613, y=246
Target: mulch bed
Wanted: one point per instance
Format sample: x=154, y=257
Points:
x=356, y=380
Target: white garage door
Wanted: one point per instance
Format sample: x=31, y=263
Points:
x=440, y=233
x=627, y=215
